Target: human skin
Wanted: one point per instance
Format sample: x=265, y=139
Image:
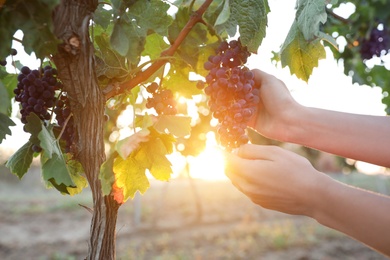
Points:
x=281, y=180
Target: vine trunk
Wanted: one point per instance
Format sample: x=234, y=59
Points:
x=75, y=64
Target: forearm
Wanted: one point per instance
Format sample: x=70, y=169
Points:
x=359, y=137
x=360, y=214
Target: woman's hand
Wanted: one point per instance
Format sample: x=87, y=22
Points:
x=277, y=109
x=275, y=178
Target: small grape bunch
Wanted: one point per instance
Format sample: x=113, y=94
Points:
x=232, y=94
x=162, y=100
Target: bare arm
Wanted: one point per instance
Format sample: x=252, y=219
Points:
x=359, y=137
x=281, y=180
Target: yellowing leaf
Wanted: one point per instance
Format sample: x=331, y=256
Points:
x=152, y=156
x=130, y=177
x=299, y=55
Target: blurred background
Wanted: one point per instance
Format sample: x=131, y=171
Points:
x=199, y=214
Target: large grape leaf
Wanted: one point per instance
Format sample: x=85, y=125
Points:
x=5, y=124
x=251, y=17
x=130, y=172
x=55, y=171
x=130, y=177
x=20, y=161
x=300, y=55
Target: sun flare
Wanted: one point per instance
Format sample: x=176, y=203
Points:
x=208, y=165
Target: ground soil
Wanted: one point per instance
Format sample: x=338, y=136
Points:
x=165, y=223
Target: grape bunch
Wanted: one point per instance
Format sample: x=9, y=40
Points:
x=377, y=44
x=162, y=100
x=232, y=94
x=36, y=92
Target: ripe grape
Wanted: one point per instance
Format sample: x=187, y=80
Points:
x=232, y=94
x=162, y=100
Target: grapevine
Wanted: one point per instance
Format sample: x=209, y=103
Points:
x=230, y=87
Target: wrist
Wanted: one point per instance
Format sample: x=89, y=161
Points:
x=293, y=124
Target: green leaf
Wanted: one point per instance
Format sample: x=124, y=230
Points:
x=55, y=171
x=112, y=64
x=5, y=124
x=177, y=125
x=102, y=16
x=48, y=142
x=130, y=177
x=178, y=80
x=300, y=55
x=309, y=15
x=251, y=17
x=154, y=45
x=34, y=127
x=224, y=14
x=119, y=39
x=20, y=161
x=150, y=15
x=106, y=175
x=7, y=85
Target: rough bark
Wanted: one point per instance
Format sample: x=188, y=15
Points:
x=75, y=64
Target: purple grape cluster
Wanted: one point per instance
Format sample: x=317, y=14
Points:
x=65, y=120
x=162, y=100
x=233, y=97
x=36, y=92
x=377, y=44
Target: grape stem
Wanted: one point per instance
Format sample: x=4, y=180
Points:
x=144, y=75
x=63, y=128
x=337, y=17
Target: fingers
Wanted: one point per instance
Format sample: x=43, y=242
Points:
x=258, y=152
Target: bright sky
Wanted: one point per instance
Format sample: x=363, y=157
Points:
x=328, y=87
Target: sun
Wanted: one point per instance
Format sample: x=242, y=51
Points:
x=208, y=165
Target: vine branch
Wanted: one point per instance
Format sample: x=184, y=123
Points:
x=337, y=17
x=196, y=17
